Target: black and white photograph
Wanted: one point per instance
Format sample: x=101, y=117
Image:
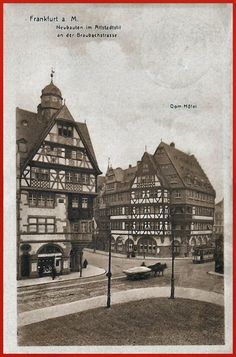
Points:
x=118, y=178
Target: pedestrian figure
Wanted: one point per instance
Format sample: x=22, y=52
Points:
x=54, y=272
x=85, y=263
x=40, y=271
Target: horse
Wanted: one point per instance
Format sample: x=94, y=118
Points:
x=158, y=268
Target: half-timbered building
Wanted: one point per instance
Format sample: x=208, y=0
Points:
x=56, y=186
x=165, y=196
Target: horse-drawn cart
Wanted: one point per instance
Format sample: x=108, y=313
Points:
x=143, y=271
x=137, y=273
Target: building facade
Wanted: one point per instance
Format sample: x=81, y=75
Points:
x=165, y=196
x=219, y=237
x=219, y=218
x=56, y=186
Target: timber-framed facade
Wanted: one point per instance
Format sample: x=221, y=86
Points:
x=56, y=185
x=135, y=205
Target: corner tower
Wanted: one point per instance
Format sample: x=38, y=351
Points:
x=51, y=100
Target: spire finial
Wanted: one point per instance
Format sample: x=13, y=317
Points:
x=51, y=75
x=145, y=148
x=109, y=162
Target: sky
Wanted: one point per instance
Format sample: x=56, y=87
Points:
x=123, y=87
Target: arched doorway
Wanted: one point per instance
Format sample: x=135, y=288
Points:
x=113, y=244
x=129, y=245
x=25, y=260
x=25, y=265
x=48, y=256
x=193, y=243
x=119, y=245
x=147, y=245
x=204, y=240
x=76, y=258
x=176, y=247
x=199, y=240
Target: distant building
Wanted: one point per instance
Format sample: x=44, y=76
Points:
x=219, y=237
x=219, y=218
x=134, y=204
x=56, y=186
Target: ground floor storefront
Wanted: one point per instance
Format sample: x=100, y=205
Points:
x=151, y=245
x=48, y=258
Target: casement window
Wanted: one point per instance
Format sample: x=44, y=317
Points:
x=41, y=224
x=75, y=202
x=110, y=186
x=68, y=177
x=147, y=209
x=85, y=226
x=84, y=202
x=41, y=199
x=86, y=179
x=72, y=154
x=147, y=225
x=32, y=199
x=75, y=227
x=40, y=174
x=127, y=226
x=54, y=151
x=50, y=200
x=167, y=226
x=76, y=178
x=65, y=130
x=72, y=177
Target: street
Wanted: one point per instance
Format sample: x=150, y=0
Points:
x=187, y=274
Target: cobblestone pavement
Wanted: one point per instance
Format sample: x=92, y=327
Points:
x=187, y=274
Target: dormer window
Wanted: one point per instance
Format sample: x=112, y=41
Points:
x=65, y=130
x=25, y=123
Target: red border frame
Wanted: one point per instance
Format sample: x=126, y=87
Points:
x=233, y=2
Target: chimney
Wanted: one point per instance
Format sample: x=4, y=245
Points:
x=172, y=144
x=130, y=166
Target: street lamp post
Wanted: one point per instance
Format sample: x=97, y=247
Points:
x=172, y=292
x=128, y=253
x=94, y=242
x=109, y=274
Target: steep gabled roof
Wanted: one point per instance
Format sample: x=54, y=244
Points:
x=64, y=114
x=37, y=129
x=188, y=168
x=83, y=129
x=101, y=181
x=29, y=128
x=157, y=169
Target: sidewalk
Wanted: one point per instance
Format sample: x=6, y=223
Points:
x=216, y=274
x=137, y=257
x=30, y=317
x=86, y=273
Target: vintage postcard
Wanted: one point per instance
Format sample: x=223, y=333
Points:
x=118, y=178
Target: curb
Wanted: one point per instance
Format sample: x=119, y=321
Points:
x=139, y=257
x=216, y=274
x=39, y=315
x=68, y=278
